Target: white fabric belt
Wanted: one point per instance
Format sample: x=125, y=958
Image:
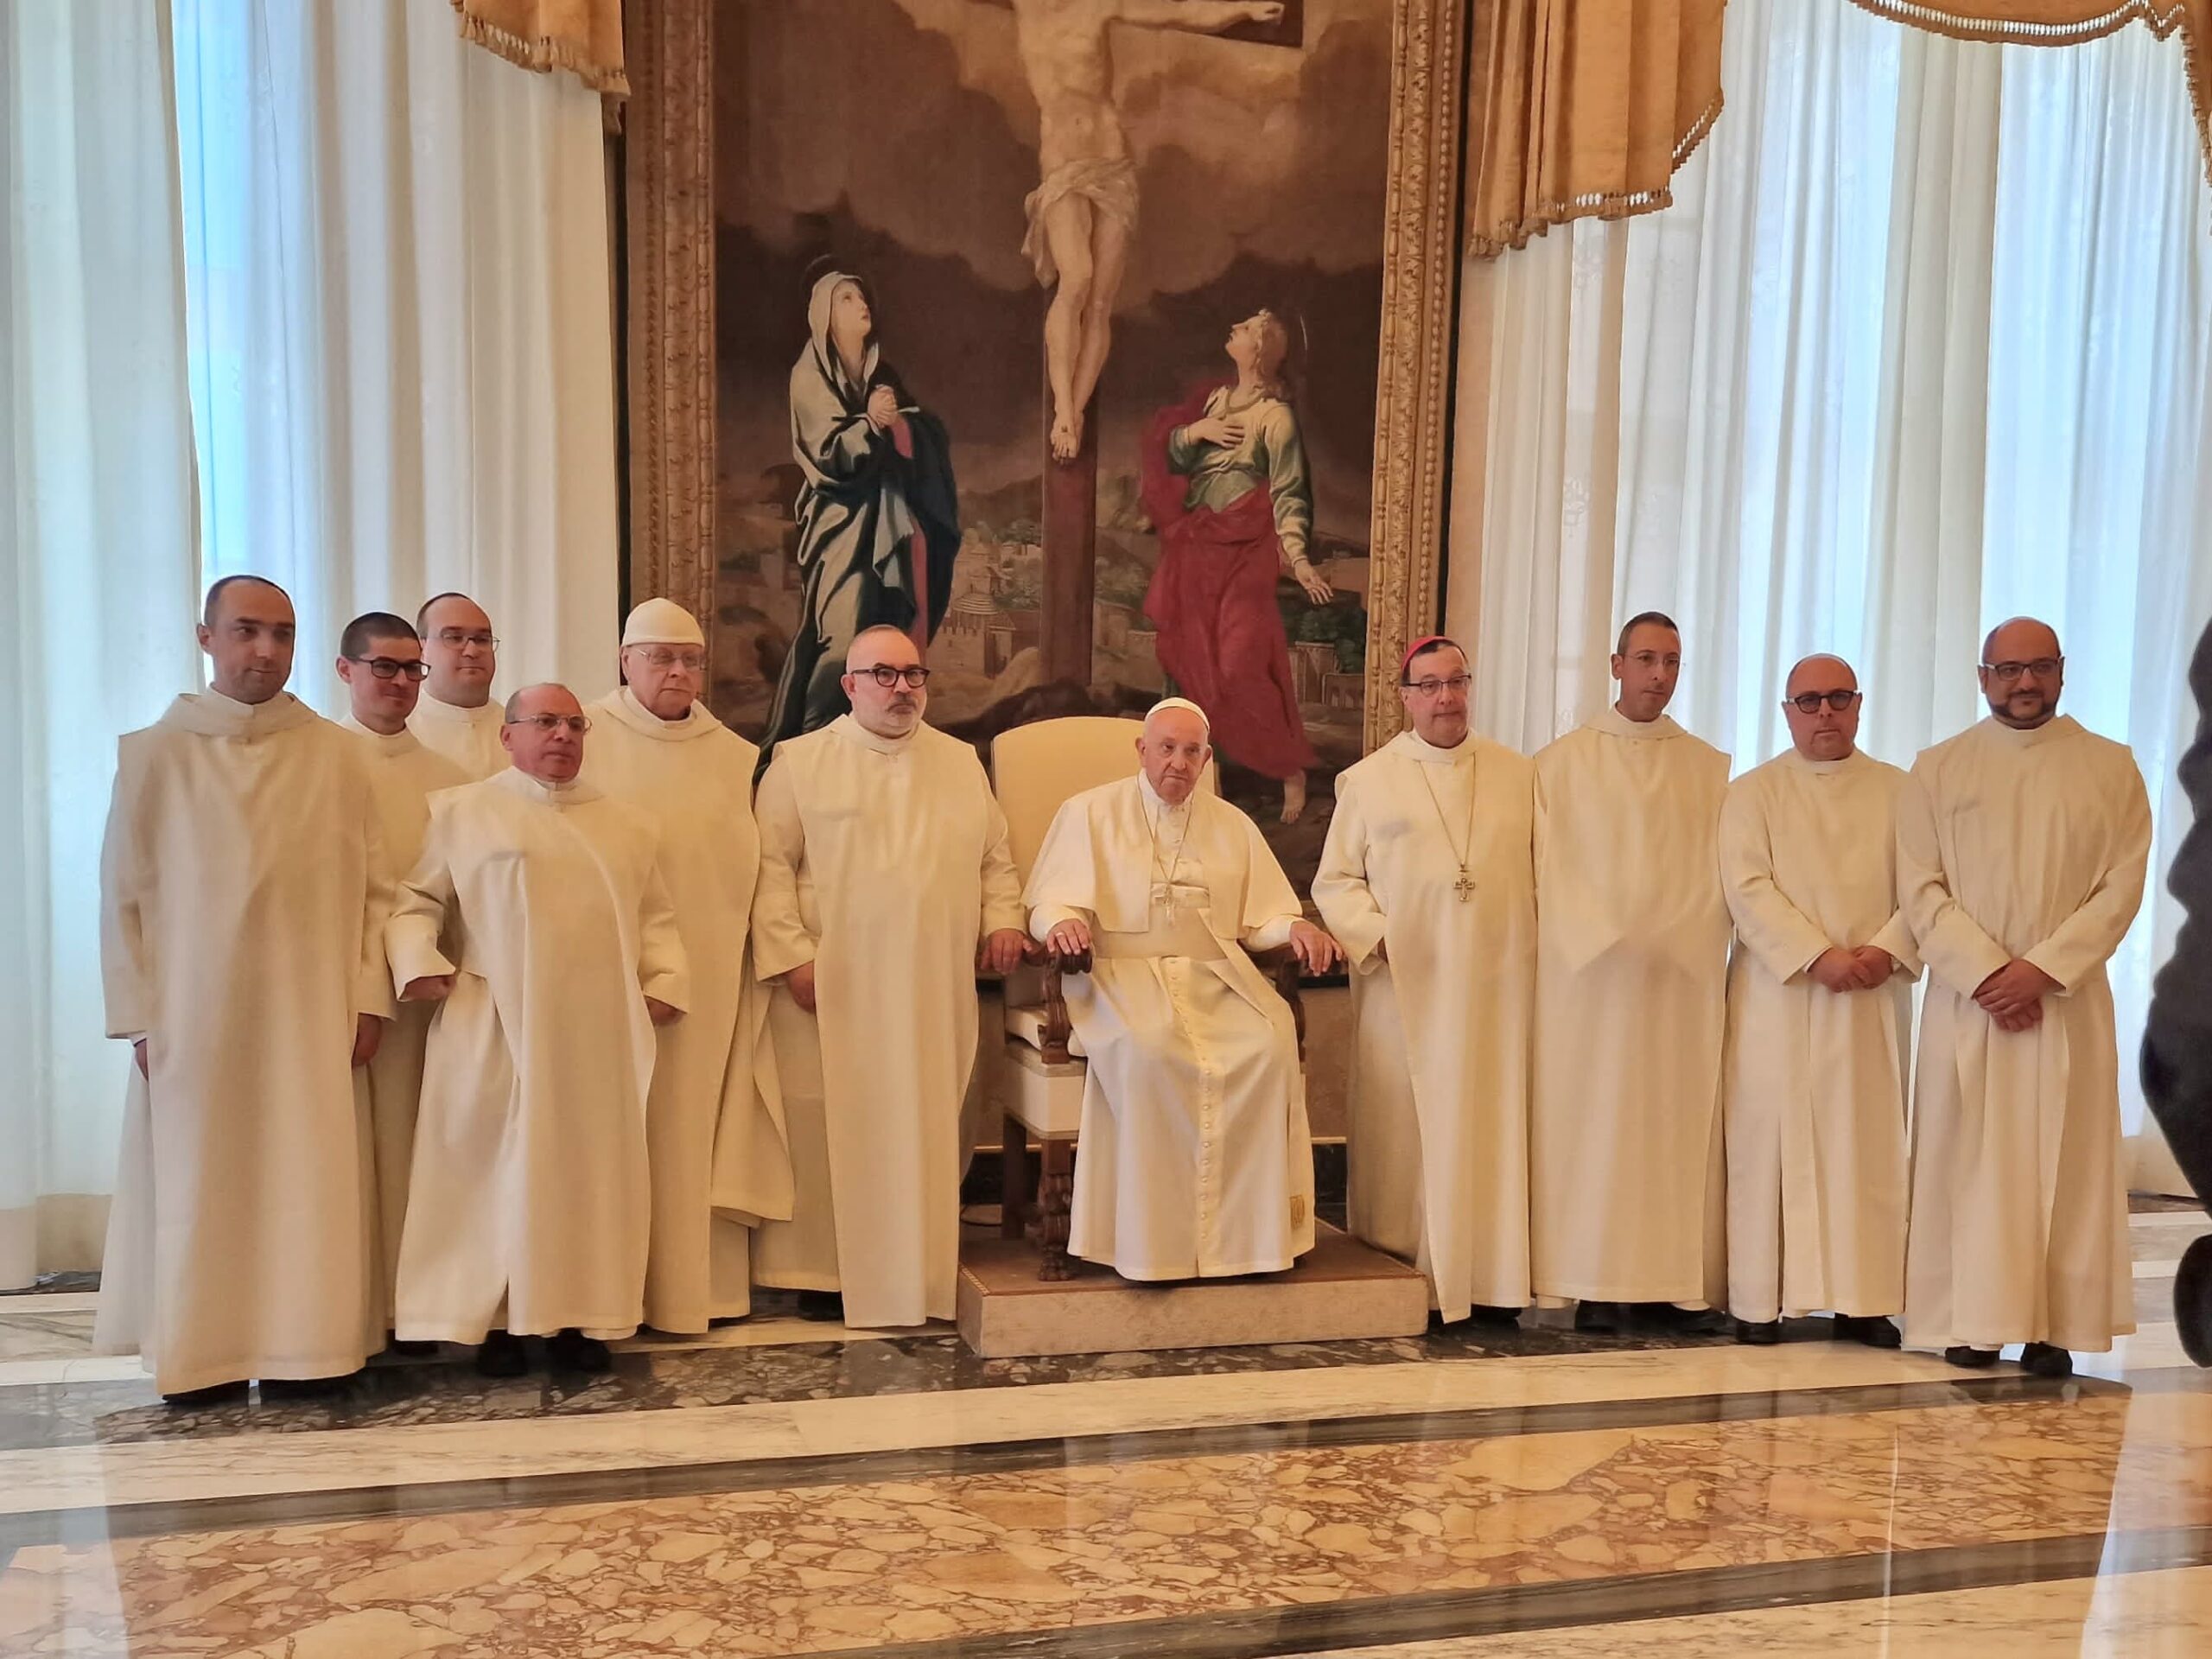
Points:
x=1185, y=935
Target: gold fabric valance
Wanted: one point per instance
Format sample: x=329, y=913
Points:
x=2068, y=22
x=1584, y=109
x=581, y=36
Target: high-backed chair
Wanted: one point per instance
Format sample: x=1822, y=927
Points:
x=1034, y=769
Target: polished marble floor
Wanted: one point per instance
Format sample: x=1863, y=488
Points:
x=781, y=1488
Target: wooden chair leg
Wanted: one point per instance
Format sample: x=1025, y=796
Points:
x=1017, y=1181
x=1055, y=1201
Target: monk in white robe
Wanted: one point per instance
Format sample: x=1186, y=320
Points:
x=456, y=717
x=1428, y=878
x=713, y=1121
x=2021, y=849
x=380, y=664
x=885, y=884
x=531, y=1206
x=1819, y=1016
x=1195, y=1160
x=1625, y=1179
x=242, y=910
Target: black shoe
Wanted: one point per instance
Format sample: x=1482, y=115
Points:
x=572, y=1350
x=1970, y=1360
x=2045, y=1359
x=397, y=1349
x=217, y=1393
x=1481, y=1313
x=2193, y=1300
x=501, y=1354
x=1686, y=1321
x=1758, y=1334
x=1873, y=1330
x=823, y=1307
x=1602, y=1318
x=305, y=1387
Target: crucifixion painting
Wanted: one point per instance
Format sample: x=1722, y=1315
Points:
x=1083, y=213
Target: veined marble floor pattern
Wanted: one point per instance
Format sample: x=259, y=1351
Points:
x=782, y=1489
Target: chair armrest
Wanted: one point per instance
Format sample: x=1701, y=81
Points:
x=1280, y=966
x=1057, y=1028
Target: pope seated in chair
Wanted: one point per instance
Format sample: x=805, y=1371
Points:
x=1196, y=1160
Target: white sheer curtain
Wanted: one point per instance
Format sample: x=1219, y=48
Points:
x=361, y=269
x=97, y=556
x=1922, y=345
x=402, y=353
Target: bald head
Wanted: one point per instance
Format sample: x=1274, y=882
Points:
x=2022, y=672
x=544, y=734
x=246, y=628
x=877, y=654
x=1820, y=672
x=1820, y=703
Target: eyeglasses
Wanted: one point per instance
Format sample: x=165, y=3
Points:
x=459, y=637
x=2042, y=668
x=1808, y=702
x=390, y=667
x=886, y=676
x=1458, y=683
x=549, y=723
x=694, y=660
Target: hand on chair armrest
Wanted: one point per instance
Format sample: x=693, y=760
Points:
x=1066, y=948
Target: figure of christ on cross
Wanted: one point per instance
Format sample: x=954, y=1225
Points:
x=1084, y=212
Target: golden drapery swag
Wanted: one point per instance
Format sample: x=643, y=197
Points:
x=1583, y=109
x=581, y=36
x=2069, y=23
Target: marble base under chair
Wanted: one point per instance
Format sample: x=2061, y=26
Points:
x=1339, y=1290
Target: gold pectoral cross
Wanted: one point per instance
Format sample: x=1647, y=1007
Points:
x=1464, y=888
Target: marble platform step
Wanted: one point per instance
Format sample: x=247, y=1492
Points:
x=1339, y=1290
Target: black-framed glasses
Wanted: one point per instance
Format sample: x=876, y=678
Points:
x=549, y=724
x=2042, y=668
x=1432, y=687
x=456, y=638
x=886, y=676
x=390, y=667
x=1808, y=702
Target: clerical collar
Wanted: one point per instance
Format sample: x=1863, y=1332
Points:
x=214, y=715
x=401, y=742
x=2057, y=727
x=1845, y=764
x=1614, y=723
x=624, y=706
x=1154, y=803
x=439, y=708
x=848, y=727
x=1419, y=748
x=575, y=792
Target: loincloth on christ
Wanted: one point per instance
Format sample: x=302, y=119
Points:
x=1111, y=187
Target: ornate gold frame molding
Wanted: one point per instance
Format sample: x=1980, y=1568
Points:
x=668, y=261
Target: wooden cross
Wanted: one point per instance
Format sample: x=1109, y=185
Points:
x=1070, y=515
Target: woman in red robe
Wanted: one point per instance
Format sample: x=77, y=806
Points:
x=1225, y=484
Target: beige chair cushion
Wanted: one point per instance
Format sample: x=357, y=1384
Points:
x=1026, y=1024
x=1036, y=767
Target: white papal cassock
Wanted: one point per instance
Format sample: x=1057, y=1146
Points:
x=1815, y=1078
x=404, y=773
x=884, y=862
x=530, y=1207
x=713, y=1121
x=2028, y=844
x=467, y=737
x=1195, y=1159
x=1439, y=1107
x=1625, y=1179
x=242, y=903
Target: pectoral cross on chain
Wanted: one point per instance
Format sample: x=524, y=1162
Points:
x=1464, y=888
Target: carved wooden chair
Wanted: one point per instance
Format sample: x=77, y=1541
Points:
x=1034, y=769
